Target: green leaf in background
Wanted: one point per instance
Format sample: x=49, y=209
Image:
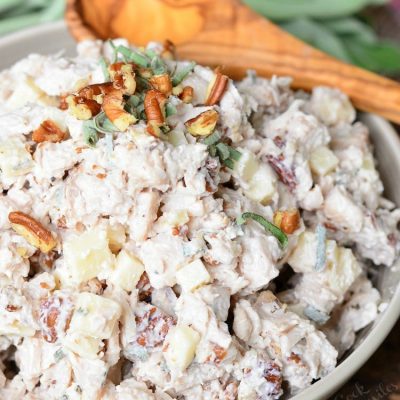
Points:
x=283, y=10
x=317, y=35
x=380, y=56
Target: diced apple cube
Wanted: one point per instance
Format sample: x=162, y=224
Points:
x=87, y=255
x=192, y=276
x=127, y=272
x=180, y=344
x=94, y=316
x=15, y=159
x=247, y=165
x=343, y=271
x=16, y=328
x=262, y=185
x=85, y=346
x=116, y=236
x=323, y=161
x=303, y=257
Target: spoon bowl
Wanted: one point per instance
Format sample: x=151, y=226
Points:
x=228, y=33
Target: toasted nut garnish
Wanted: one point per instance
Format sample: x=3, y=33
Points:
x=82, y=108
x=216, y=89
x=146, y=73
x=48, y=131
x=63, y=102
x=288, y=221
x=154, y=103
x=162, y=83
x=96, y=91
x=203, y=124
x=168, y=51
x=113, y=107
x=177, y=90
x=33, y=231
x=187, y=94
x=123, y=77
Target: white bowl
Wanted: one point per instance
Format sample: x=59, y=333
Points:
x=51, y=38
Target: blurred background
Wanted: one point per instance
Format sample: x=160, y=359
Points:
x=362, y=32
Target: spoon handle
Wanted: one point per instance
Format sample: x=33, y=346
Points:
x=252, y=42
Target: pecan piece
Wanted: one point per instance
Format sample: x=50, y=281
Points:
x=288, y=220
x=216, y=88
x=162, y=83
x=168, y=50
x=203, y=124
x=96, y=91
x=113, y=106
x=48, y=131
x=82, y=108
x=49, y=319
x=286, y=175
x=123, y=77
x=154, y=103
x=33, y=231
x=187, y=94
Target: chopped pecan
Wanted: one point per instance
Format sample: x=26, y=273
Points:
x=63, y=103
x=123, y=77
x=288, y=220
x=154, y=103
x=216, y=88
x=187, y=94
x=96, y=92
x=152, y=326
x=203, y=124
x=48, y=131
x=285, y=174
x=169, y=50
x=82, y=108
x=49, y=312
x=113, y=106
x=49, y=319
x=144, y=288
x=33, y=231
x=162, y=83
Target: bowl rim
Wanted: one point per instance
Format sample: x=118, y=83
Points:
x=326, y=386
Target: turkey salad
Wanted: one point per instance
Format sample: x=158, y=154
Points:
x=167, y=233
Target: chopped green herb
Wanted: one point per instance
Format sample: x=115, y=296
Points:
x=180, y=75
x=90, y=136
x=134, y=56
x=103, y=64
x=268, y=226
x=150, y=53
x=158, y=66
x=58, y=355
x=223, y=151
x=134, y=100
x=234, y=154
x=321, y=248
x=212, y=150
x=212, y=139
x=170, y=109
x=316, y=315
x=115, y=51
x=103, y=124
x=229, y=163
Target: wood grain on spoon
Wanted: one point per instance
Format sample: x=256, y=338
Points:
x=227, y=33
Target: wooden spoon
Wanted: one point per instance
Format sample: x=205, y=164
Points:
x=227, y=33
